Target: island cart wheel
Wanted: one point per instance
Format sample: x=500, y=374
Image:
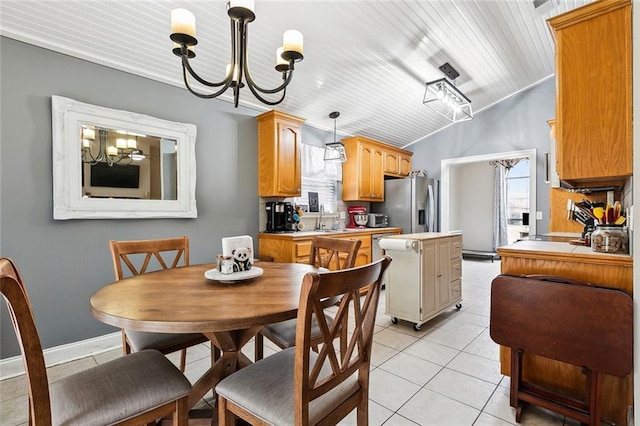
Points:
x=458, y=305
x=394, y=320
x=416, y=327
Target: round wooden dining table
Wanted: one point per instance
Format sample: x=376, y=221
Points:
x=183, y=300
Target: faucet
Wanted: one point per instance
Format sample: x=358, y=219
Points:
x=320, y=219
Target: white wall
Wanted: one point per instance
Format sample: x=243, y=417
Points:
x=472, y=196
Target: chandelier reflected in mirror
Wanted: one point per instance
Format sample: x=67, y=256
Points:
x=241, y=13
x=446, y=99
x=334, y=151
x=124, y=151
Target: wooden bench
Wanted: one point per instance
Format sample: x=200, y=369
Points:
x=565, y=320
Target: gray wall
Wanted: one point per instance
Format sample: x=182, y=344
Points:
x=64, y=262
x=514, y=124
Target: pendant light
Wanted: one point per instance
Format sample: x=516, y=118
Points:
x=334, y=151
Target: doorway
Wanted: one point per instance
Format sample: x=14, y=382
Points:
x=467, y=197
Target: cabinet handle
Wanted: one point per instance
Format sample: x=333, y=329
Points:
x=439, y=275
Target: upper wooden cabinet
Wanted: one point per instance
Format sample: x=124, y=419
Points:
x=279, y=139
x=397, y=162
x=593, y=126
x=368, y=161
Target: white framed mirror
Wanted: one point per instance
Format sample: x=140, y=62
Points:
x=114, y=164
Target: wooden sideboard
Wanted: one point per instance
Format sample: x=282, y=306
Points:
x=577, y=262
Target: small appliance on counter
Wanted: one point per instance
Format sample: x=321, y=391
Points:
x=378, y=220
x=280, y=217
x=358, y=217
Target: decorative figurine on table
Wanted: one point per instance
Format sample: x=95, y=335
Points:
x=241, y=259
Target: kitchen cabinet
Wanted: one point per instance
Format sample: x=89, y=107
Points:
x=368, y=161
x=279, y=140
x=296, y=247
x=425, y=278
x=397, y=163
x=594, y=93
x=580, y=263
x=362, y=173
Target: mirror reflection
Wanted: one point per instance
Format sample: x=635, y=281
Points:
x=116, y=164
x=124, y=164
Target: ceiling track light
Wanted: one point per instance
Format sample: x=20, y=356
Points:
x=446, y=99
x=241, y=13
x=334, y=151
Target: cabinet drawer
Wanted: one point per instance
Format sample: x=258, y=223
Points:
x=303, y=249
x=455, y=269
x=456, y=290
x=456, y=248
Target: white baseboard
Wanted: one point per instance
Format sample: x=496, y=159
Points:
x=14, y=366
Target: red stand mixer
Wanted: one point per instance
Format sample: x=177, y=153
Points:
x=357, y=217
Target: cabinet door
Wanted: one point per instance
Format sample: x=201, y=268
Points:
x=371, y=177
x=404, y=164
x=391, y=163
x=377, y=178
x=428, y=298
x=288, y=167
x=443, y=274
x=594, y=96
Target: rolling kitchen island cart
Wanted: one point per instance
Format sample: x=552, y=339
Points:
x=425, y=277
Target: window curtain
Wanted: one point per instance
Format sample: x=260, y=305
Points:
x=319, y=176
x=501, y=168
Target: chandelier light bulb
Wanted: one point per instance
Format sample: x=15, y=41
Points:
x=292, y=41
x=183, y=22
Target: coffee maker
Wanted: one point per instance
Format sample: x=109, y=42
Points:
x=357, y=217
x=279, y=216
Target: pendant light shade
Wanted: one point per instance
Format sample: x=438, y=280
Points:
x=334, y=151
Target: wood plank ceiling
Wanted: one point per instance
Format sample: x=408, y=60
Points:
x=369, y=60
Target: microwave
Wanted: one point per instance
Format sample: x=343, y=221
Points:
x=378, y=220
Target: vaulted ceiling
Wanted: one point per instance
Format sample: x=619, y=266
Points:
x=369, y=60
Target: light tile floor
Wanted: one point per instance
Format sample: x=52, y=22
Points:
x=445, y=374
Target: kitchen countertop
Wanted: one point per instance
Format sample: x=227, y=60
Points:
x=424, y=235
x=311, y=234
x=562, y=251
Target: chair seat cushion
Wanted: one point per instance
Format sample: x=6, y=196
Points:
x=141, y=340
x=266, y=389
x=117, y=390
x=283, y=333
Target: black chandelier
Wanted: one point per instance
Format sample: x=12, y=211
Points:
x=241, y=13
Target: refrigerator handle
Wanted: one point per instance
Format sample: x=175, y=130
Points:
x=431, y=207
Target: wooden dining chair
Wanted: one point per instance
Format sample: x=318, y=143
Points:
x=132, y=390
x=298, y=386
x=326, y=252
x=140, y=257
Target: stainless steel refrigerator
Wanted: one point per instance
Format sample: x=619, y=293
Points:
x=411, y=203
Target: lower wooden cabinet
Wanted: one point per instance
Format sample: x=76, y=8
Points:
x=297, y=246
x=600, y=269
